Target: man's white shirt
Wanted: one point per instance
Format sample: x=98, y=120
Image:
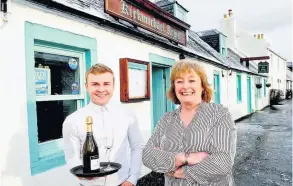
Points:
x=127, y=141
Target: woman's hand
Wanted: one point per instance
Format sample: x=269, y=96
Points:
x=192, y=159
x=177, y=174
x=196, y=157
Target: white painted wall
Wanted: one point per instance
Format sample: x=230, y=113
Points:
x=278, y=71
x=237, y=110
x=228, y=27
x=14, y=156
x=250, y=45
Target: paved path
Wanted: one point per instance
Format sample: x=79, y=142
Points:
x=263, y=150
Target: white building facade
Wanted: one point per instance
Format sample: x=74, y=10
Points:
x=35, y=40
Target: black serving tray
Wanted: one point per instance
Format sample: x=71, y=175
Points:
x=78, y=170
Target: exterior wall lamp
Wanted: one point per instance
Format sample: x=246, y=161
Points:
x=230, y=72
x=181, y=56
x=223, y=73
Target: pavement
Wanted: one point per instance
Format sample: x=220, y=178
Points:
x=264, y=149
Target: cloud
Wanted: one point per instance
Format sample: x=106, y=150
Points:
x=269, y=21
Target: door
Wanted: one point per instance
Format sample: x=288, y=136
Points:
x=217, y=88
x=249, y=104
x=159, y=91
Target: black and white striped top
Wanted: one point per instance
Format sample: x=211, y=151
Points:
x=211, y=130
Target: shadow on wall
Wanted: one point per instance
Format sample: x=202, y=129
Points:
x=16, y=170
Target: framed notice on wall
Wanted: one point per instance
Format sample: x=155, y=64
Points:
x=42, y=81
x=134, y=80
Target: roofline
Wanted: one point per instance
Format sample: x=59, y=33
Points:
x=271, y=50
x=181, y=6
x=117, y=27
x=211, y=30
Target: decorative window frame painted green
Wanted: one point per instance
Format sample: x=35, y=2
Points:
x=218, y=94
x=239, y=87
x=54, y=38
x=264, y=88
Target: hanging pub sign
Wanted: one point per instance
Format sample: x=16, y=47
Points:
x=132, y=13
x=263, y=67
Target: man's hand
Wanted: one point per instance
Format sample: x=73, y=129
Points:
x=127, y=183
x=177, y=174
x=196, y=157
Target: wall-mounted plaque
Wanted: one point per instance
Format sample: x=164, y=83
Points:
x=134, y=80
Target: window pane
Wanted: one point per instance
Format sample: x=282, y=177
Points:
x=56, y=74
x=50, y=117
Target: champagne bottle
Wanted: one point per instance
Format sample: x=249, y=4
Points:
x=90, y=150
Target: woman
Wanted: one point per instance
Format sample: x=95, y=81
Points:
x=195, y=144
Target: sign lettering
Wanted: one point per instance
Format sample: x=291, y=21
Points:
x=135, y=15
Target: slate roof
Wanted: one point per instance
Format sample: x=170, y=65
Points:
x=95, y=8
x=164, y=3
x=209, y=32
x=195, y=37
x=235, y=59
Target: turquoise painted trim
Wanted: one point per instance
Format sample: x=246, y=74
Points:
x=223, y=44
x=137, y=66
x=239, y=88
x=264, y=88
x=249, y=97
x=162, y=61
x=220, y=44
x=175, y=9
x=154, y=58
x=217, y=87
x=49, y=148
x=36, y=34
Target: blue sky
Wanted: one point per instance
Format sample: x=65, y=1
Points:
x=272, y=18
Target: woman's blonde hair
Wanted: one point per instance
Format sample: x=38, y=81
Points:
x=187, y=66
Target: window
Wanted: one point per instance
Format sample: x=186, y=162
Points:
x=224, y=51
x=239, y=87
x=264, y=87
x=58, y=91
x=56, y=62
x=180, y=14
x=217, y=88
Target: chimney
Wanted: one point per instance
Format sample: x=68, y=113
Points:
x=225, y=16
x=258, y=36
x=254, y=35
x=230, y=12
x=228, y=28
x=261, y=36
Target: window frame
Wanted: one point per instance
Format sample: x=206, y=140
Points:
x=49, y=155
x=216, y=94
x=239, y=87
x=264, y=87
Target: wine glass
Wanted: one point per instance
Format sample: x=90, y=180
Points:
x=108, y=144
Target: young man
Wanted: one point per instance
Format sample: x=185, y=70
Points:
x=100, y=86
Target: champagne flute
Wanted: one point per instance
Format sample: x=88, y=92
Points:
x=108, y=144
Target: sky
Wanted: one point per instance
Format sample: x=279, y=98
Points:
x=270, y=17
